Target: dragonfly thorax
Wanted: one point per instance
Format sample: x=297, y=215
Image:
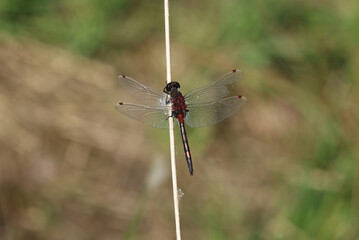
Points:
x=178, y=104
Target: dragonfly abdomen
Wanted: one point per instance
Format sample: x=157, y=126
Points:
x=185, y=144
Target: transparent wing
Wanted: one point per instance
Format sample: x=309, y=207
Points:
x=215, y=90
x=206, y=114
x=155, y=117
x=143, y=94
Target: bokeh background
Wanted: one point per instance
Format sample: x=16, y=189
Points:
x=284, y=167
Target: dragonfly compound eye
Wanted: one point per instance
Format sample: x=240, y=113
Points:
x=166, y=88
x=176, y=85
x=170, y=86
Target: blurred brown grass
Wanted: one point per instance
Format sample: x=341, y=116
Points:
x=65, y=157
x=72, y=168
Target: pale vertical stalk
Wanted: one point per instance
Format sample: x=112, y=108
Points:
x=170, y=120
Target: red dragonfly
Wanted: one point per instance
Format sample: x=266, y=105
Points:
x=201, y=107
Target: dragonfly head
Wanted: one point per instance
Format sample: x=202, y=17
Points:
x=171, y=86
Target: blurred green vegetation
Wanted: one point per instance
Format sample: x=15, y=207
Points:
x=301, y=63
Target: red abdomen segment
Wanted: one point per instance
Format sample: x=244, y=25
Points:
x=185, y=145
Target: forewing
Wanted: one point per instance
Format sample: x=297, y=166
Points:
x=206, y=114
x=143, y=94
x=215, y=90
x=155, y=117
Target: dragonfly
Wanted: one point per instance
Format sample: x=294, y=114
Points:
x=204, y=106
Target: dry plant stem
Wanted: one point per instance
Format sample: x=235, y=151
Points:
x=170, y=120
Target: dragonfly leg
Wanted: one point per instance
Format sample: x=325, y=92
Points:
x=172, y=115
x=185, y=112
x=168, y=100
